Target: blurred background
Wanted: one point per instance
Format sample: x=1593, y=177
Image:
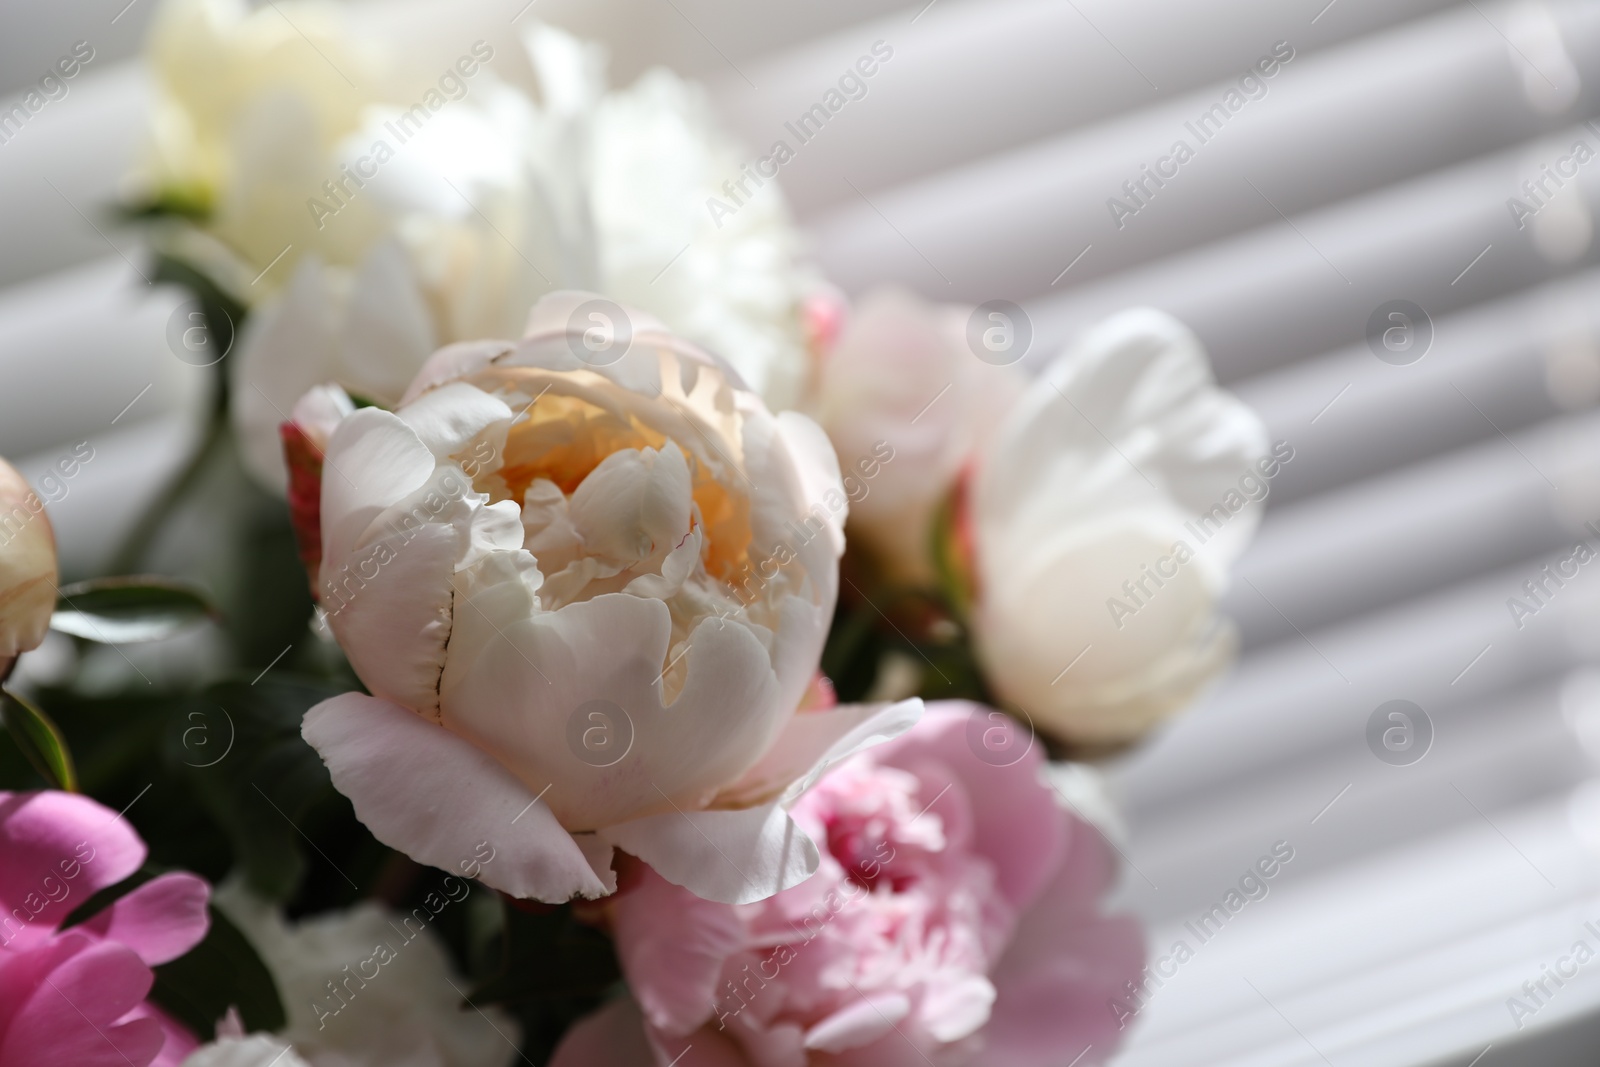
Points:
x=1387, y=248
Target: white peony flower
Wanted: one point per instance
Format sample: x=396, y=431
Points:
x=1105, y=514
x=737, y=288
x=368, y=987
x=249, y=107
x=587, y=578
x=1068, y=502
x=332, y=205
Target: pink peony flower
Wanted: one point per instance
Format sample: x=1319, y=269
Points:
x=954, y=920
x=77, y=996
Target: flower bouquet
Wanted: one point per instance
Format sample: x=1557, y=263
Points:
x=582, y=635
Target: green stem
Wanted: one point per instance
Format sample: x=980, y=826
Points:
x=142, y=537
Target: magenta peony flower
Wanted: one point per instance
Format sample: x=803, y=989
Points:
x=77, y=996
x=954, y=920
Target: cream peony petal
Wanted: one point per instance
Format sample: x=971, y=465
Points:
x=320, y=411
x=451, y=416
x=372, y=460
x=1127, y=417
x=818, y=470
x=387, y=333
x=28, y=569
x=391, y=607
x=284, y=349
x=636, y=502
x=553, y=315
x=734, y=857
x=455, y=361
x=1099, y=477
x=514, y=683
x=812, y=742
x=433, y=796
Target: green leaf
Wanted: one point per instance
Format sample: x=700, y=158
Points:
x=243, y=756
x=220, y=972
x=131, y=609
x=40, y=741
x=549, y=955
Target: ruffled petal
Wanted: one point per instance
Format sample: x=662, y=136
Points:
x=1065, y=963
x=810, y=743
x=519, y=684
x=161, y=920
x=177, y=1041
x=387, y=333
x=63, y=1002
x=392, y=607
x=423, y=790
x=58, y=849
x=735, y=857
x=373, y=460
x=817, y=467
x=1157, y=417
x=1016, y=821
x=672, y=945
x=447, y=418
x=859, y=1023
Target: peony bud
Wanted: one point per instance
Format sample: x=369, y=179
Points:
x=28, y=575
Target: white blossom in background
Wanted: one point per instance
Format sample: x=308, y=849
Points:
x=1105, y=514
x=410, y=1015
x=1095, y=511
x=257, y=1050
x=496, y=199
